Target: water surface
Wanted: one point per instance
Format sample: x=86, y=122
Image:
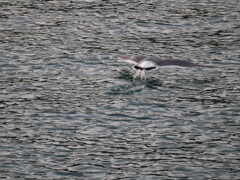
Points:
x=70, y=110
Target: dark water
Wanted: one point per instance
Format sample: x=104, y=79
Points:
x=70, y=110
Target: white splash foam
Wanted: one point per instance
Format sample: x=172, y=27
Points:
x=139, y=73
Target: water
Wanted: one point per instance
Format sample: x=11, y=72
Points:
x=70, y=110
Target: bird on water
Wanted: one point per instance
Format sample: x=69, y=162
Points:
x=143, y=63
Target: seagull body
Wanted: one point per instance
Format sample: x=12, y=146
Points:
x=143, y=63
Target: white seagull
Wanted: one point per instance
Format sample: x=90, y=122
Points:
x=144, y=63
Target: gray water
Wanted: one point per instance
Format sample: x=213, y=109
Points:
x=70, y=110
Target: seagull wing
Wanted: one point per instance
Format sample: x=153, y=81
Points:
x=171, y=62
x=133, y=59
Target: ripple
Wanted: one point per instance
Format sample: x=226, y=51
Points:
x=69, y=110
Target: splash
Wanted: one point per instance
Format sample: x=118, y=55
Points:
x=140, y=73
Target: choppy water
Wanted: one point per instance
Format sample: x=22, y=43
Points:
x=70, y=110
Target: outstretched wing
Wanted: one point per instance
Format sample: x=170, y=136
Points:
x=171, y=62
x=133, y=59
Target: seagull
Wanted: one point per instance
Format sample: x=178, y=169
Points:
x=143, y=63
